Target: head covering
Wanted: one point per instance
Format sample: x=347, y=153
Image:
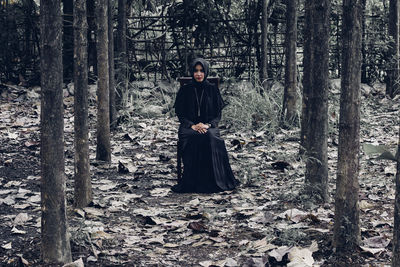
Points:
x=203, y=63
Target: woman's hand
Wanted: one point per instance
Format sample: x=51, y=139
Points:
x=200, y=127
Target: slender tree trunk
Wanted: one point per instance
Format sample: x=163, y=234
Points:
x=68, y=45
x=290, y=94
x=55, y=242
x=392, y=80
x=83, y=186
x=314, y=125
x=113, y=110
x=346, y=227
x=121, y=51
x=364, y=73
x=103, y=149
x=396, y=228
x=264, y=44
x=92, y=49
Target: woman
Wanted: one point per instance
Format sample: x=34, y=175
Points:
x=198, y=106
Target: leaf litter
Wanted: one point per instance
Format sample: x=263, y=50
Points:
x=136, y=219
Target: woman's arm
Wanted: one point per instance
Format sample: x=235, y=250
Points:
x=218, y=104
x=185, y=122
x=180, y=109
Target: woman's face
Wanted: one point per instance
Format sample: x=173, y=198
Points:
x=198, y=73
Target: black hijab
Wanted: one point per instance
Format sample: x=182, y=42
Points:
x=186, y=104
x=204, y=64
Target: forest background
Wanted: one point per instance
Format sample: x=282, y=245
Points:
x=249, y=45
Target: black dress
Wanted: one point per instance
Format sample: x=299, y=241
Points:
x=205, y=159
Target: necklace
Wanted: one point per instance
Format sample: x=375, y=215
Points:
x=197, y=99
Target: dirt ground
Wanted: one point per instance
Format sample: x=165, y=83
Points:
x=135, y=220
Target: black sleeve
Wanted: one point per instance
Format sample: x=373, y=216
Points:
x=180, y=109
x=218, y=105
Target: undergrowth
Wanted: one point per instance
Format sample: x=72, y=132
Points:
x=248, y=109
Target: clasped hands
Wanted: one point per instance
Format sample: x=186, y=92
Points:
x=200, y=127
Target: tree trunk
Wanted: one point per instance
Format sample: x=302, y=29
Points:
x=55, y=242
x=83, y=186
x=68, y=37
x=396, y=228
x=290, y=94
x=92, y=50
x=314, y=124
x=346, y=227
x=103, y=149
x=364, y=74
x=113, y=110
x=264, y=44
x=392, y=79
x=121, y=51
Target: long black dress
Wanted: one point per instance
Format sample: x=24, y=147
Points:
x=205, y=159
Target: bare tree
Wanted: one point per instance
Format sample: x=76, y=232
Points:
x=113, y=110
x=55, y=242
x=314, y=121
x=83, y=186
x=396, y=228
x=392, y=81
x=264, y=43
x=290, y=94
x=103, y=149
x=121, y=49
x=68, y=46
x=346, y=227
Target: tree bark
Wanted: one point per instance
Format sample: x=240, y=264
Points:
x=55, y=242
x=392, y=80
x=314, y=124
x=92, y=50
x=83, y=186
x=396, y=228
x=68, y=45
x=346, y=227
x=113, y=110
x=289, y=113
x=121, y=51
x=264, y=44
x=103, y=149
x=364, y=73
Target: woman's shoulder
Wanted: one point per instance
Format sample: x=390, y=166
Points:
x=211, y=85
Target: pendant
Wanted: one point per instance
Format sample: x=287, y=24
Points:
x=198, y=112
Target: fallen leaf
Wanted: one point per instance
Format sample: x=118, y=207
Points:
x=231, y=262
x=160, y=192
x=300, y=257
x=7, y=246
x=376, y=242
x=93, y=211
x=34, y=199
x=21, y=218
x=372, y=251
x=14, y=230
x=293, y=215
x=77, y=263
x=126, y=167
x=365, y=205
x=194, y=203
x=156, y=240
x=197, y=227
x=279, y=253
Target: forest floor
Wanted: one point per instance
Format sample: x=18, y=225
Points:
x=135, y=220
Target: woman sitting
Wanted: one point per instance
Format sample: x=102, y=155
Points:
x=198, y=106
